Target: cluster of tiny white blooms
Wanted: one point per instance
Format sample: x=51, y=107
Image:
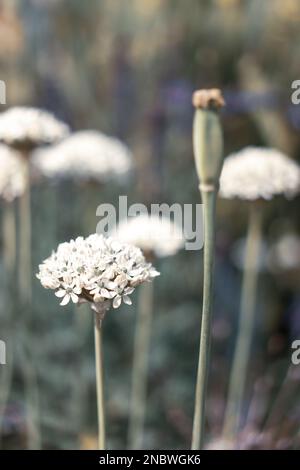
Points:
x=22, y=126
x=85, y=156
x=12, y=178
x=95, y=269
x=256, y=172
x=151, y=233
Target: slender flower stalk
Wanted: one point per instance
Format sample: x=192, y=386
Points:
x=31, y=400
x=209, y=201
x=208, y=148
x=238, y=374
x=25, y=267
x=99, y=381
x=5, y=385
x=25, y=286
x=9, y=236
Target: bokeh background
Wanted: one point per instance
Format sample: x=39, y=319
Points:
x=128, y=69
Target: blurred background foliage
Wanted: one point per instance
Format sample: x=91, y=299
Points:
x=128, y=68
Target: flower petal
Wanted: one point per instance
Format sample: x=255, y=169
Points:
x=128, y=290
x=77, y=290
x=117, y=301
x=65, y=300
x=127, y=300
x=110, y=284
x=74, y=298
x=60, y=293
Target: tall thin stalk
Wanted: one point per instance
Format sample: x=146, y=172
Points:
x=9, y=236
x=31, y=398
x=5, y=384
x=99, y=383
x=241, y=356
x=25, y=286
x=9, y=246
x=140, y=367
x=209, y=201
x=25, y=262
x=208, y=153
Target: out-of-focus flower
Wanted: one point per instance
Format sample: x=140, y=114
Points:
x=238, y=253
x=86, y=156
x=12, y=179
x=95, y=269
x=27, y=128
x=255, y=173
x=285, y=253
x=153, y=234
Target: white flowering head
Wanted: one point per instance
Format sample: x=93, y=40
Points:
x=85, y=156
x=255, y=173
x=155, y=235
x=95, y=269
x=12, y=177
x=26, y=128
x=284, y=254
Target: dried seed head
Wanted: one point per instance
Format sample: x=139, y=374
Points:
x=208, y=99
x=208, y=138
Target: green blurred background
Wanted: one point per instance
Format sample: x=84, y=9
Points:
x=128, y=68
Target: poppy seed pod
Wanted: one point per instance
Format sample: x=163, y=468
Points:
x=208, y=137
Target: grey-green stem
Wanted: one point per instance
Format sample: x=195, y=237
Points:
x=238, y=374
x=209, y=202
x=25, y=285
x=140, y=366
x=9, y=237
x=99, y=382
x=25, y=267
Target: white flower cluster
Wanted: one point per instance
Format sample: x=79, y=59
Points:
x=153, y=234
x=256, y=172
x=30, y=127
x=285, y=253
x=86, y=156
x=95, y=269
x=12, y=178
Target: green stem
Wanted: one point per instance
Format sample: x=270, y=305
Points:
x=209, y=201
x=140, y=367
x=5, y=384
x=246, y=325
x=25, y=286
x=9, y=237
x=99, y=383
x=31, y=399
x=25, y=268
